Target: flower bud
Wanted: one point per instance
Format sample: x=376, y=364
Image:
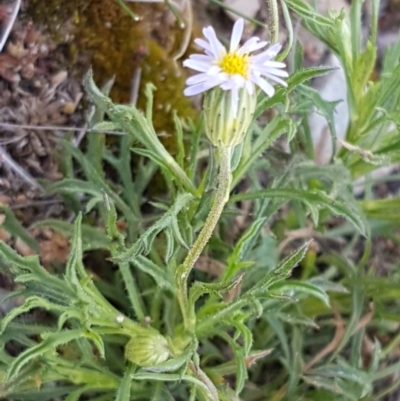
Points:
x=147, y=348
x=222, y=126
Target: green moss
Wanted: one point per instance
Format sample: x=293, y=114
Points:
x=100, y=34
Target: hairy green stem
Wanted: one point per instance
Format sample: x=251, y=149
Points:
x=221, y=196
x=273, y=20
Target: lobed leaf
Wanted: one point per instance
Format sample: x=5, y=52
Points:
x=314, y=197
x=282, y=271
x=145, y=241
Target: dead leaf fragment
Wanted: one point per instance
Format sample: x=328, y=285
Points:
x=22, y=248
x=55, y=249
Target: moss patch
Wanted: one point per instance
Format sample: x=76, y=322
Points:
x=100, y=34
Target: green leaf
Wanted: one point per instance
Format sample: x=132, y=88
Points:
x=355, y=26
x=97, y=379
x=145, y=241
x=208, y=325
x=391, y=58
x=131, y=121
x=316, y=197
x=173, y=377
x=283, y=270
x=296, y=79
x=106, y=126
x=242, y=330
x=92, y=238
x=241, y=370
x=75, y=269
x=15, y=228
x=303, y=75
x=124, y=389
x=298, y=320
x=29, y=304
x=343, y=370
x=169, y=248
x=198, y=289
x=305, y=11
x=76, y=395
x=160, y=276
x=111, y=227
x=301, y=287
x=388, y=209
x=99, y=186
x=242, y=246
x=364, y=66
x=75, y=186
x=49, y=344
x=180, y=154
x=323, y=107
x=272, y=131
x=236, y=156
x=28, y=270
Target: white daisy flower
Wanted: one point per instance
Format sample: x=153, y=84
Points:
x=234, y=69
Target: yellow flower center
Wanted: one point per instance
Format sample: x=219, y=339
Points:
x=233, y=63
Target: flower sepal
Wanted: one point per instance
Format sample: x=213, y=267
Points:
x=147, y=348
x=221, y=126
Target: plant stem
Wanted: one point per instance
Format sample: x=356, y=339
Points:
x=273, y=20
x=220, y=198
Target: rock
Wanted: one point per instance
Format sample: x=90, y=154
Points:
x=248, y=8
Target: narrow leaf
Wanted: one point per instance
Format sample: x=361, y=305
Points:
x=283, y=270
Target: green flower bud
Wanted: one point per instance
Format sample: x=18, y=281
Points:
x=147, y=348
x=222, y=127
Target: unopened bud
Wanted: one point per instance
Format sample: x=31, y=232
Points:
x=147, y=348
x=222, y=126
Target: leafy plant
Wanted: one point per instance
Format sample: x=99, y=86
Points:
x=161, y=328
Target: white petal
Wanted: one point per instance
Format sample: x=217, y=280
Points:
x=254, y=46
x=239, y=81
x=217, y=49
x=268, y=54
x=194, y=89
x=203, y=44
x=197, y=65
x=247, y=45
x=274, y=64
x=214, y=70
x=226, y=85
x=201, y=57
x=260, y=58
x=236, y=34
x=234, y=101
x=202, y=87
x=223, y=76
x=276, y=79
x=233, y=81
x=274, y=50
x=196, y=79
x=278, y=73
x=264, y=85
x=272, y=71
x=250, y=88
